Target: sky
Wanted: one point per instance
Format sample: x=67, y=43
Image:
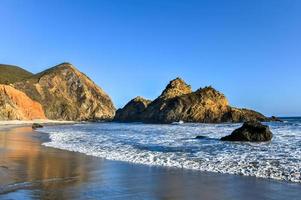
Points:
x=249, y=50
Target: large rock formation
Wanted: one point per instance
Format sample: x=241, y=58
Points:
x=252, y=131
x=132, y=111
x=178, y=103
x=67, y=94
x=16, y=105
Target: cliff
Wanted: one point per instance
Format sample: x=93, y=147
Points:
x=178, y=103
x=16, y=105
x=67, y=94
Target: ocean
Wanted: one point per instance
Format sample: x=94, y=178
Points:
x=176, y=146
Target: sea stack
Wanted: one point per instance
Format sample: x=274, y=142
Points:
x=178, y=102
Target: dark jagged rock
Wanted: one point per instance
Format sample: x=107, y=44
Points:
x=200, y=137
x=252, y=131
x=67, y=94
x=275, y=119
x=36, y=125
x=132, y=111
x=178, y=103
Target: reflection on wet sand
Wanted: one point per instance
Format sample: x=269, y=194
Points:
x=24, y=161
x=31, y=171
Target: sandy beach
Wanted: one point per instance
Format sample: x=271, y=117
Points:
x=29, y=170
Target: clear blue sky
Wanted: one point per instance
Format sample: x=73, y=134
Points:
x=250, y=50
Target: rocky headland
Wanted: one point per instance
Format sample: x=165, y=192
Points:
x=62, y=92
x=178, y=102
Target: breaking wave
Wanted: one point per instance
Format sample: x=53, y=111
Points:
x=176, y=146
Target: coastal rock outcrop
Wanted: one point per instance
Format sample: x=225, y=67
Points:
x=36, y=125
x=67, y=94
x=179, y=103
x=252, y=131
x=132, y=111
x=16, y=105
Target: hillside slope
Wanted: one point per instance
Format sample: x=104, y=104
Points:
x=11, y=74
x=67, y=94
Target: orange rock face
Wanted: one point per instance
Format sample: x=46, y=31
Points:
x=16, y=105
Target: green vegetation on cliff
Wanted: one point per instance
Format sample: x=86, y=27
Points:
x=11, y=74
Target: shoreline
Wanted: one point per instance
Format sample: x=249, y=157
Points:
x=7, y=124
x=75, y=171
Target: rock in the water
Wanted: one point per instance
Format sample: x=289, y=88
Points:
x=36, y=125
x=132, y=111
x=275, y=119
x=16, y=105
x=252, y=131
x=67, y=94
x=200, y=137
x=178, y=103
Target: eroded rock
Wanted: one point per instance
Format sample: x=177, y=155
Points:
x=132, y=111
x=16, y=105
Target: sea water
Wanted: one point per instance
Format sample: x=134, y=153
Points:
x=176, y=146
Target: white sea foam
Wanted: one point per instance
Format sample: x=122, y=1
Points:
x=175, y=146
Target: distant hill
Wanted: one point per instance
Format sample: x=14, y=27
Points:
x=11, y=74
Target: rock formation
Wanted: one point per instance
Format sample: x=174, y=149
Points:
x=16, y=105
x=252, y=131
x=67, y=94
x=132, y=111
x=36, y=126
x=178, y=103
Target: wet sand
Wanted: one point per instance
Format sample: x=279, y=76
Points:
x=31, y=171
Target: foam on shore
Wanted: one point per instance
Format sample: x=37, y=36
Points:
x=175, y=146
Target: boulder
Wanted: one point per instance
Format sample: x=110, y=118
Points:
x=36, y=125
x=252, y=131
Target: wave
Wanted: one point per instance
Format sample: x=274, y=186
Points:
x=170, y=146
